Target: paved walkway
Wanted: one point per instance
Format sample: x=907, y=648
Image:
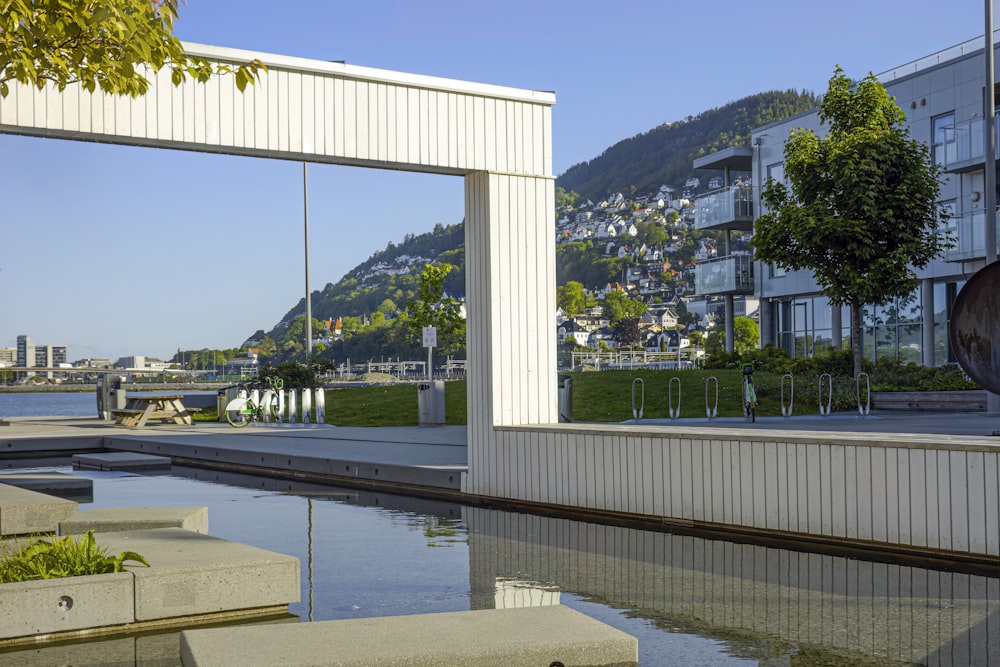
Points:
x=399, y=457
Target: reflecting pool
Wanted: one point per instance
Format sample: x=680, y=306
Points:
x=688, y=600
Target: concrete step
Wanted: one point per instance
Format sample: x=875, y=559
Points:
x=532, y=636
x=24, y=512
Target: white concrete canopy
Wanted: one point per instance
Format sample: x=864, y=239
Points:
x=499, y=139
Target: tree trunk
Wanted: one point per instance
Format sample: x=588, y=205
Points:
x=856, y=336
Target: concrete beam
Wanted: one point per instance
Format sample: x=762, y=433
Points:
x=511, y=637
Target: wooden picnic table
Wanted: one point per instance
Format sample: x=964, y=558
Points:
x=140, y=408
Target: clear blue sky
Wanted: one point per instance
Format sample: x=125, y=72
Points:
x=115, y=251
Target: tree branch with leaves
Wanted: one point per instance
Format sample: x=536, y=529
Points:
x=107, y=44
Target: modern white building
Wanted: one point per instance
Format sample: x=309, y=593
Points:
x=942, y=97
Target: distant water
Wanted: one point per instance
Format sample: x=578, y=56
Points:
x=60, y=404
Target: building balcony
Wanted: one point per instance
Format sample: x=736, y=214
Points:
x=969, y=235
x=732, y=274
x=728, y=208
x=964, y=145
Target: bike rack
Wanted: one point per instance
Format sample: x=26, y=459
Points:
x=786, y=411
x=825, y=410
x=307, y=405
x=866, y=408
x=637, y=414
x=280, y=397
x=712, y=411
x=292, y=409
x=320, y=406
x=674, y=414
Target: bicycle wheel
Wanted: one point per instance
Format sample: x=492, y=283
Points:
x=239, y=412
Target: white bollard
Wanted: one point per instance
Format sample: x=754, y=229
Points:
x=306, y=404
x=292, y=409
x=280, y=398
x=320, y=406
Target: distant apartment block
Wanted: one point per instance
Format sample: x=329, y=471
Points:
x=942, y=96
x=28, y=355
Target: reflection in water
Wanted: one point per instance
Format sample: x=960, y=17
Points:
x=764, y=602
x=690, y=601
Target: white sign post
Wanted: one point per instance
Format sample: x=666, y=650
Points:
x=430, y=342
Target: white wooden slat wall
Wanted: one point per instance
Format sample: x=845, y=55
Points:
x=906, y=614
x=327, y=116
x=895, y=493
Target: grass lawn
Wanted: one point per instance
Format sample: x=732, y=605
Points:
x=597, y=397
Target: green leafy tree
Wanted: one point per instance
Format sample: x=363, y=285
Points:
x=626, y=331
x=861, y=207
x=106, y=44
x=618, y=307
x=746, y=335
x=571, y=297
x=433, y=308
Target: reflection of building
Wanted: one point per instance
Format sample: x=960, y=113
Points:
x=775, y=602
x=943, y=101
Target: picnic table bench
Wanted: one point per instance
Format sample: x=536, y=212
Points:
x=140, y=408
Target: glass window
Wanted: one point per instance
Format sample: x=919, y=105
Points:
x=943, y=146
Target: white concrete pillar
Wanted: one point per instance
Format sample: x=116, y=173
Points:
x=927, y=325
x=511, y=334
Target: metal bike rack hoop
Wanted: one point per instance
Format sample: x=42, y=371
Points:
x=825, y=410
x=637, y=413
x=786, y=411
x=674, y=413
x=867, y=407
x=712, y=410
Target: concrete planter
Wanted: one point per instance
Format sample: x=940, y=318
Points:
x=69, y=604
x=192, y=576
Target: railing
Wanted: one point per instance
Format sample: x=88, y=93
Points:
x=729, y=207
x=965, y=147
x=943, y=56
x=732, y=274
x=969, y=235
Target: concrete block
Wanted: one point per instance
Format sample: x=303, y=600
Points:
x=120, y=461
x=119, y=519
x=56, y=484
x=510, y=637
x=60, y=605
x=194, y=574
x=24, y=512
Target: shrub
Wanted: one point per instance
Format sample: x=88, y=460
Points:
x=60, y=557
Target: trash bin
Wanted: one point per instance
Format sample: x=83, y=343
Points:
x=103, y=398
x=430, y=403
x=565, y=398
x=114, y=389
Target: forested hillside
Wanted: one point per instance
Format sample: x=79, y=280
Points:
x=663, y=156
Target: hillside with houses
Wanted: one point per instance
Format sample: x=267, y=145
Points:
x=636, y=243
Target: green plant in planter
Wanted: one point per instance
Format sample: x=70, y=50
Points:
x=60, y=557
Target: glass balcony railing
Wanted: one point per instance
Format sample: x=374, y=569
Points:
x=725, y=275
x=968, y=233
x=728, y=208
x=964, y=144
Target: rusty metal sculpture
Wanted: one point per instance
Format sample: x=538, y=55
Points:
x=975, y=328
